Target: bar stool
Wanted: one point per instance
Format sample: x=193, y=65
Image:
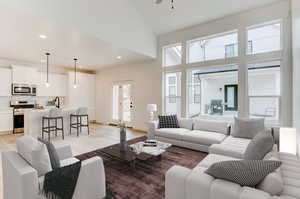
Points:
x=55, y=116
x=80, y=115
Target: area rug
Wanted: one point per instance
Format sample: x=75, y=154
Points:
x=147, y=180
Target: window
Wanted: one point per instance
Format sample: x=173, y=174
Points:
x=172, y=55
x=214, y=93
x=230, y=50
x=264, y=91
x=264, y=38
x=217, y=47
x=173, y=93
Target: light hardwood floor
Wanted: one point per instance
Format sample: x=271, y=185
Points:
x=100, y=136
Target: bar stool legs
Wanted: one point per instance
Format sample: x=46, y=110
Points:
x=48, y=129
x=78, y=124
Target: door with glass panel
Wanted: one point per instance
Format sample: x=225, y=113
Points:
x=122, y=103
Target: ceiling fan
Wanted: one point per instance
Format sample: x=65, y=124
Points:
x=171, y=2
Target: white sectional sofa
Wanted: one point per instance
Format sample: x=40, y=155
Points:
x=193, y=134
x=184, y=183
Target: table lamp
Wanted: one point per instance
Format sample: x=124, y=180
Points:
x=151, y=108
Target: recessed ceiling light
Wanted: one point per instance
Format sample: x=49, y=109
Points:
x=119, y=57
x=43, y=36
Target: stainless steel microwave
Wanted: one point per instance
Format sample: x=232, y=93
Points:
x=24, y=89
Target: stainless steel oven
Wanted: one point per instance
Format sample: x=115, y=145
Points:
x=19, y=109
x=24, y=89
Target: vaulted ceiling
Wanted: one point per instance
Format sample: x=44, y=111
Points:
x=98, y=31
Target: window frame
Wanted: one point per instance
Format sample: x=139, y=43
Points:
x=234, y=31
x=268, y=23
x=164, y=57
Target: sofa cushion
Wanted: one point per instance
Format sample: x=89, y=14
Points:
x=231, y=146
x=186, y=123
x=203, y=137
x=168, y=121
x=214, y=158
x=35, y=153
x=272, y=184
x=259, y=146
x=171, y=133
x=211, y=125
x=243, y=172
x=247, y=128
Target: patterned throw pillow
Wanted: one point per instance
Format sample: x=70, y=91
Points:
x=168, y=121
x=245, y=172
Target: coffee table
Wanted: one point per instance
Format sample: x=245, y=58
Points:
x=137, y=151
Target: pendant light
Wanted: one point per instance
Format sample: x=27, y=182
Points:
x=75, y=73
x=47, y=81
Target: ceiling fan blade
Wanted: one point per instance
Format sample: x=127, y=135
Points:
x=158, y=1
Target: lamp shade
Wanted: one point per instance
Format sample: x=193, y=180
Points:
x=288, y=140
x=151, y=107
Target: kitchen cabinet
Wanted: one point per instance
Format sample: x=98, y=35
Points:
x=6, y=120
x=5, y=81
x=24, y=75
x=58, y=85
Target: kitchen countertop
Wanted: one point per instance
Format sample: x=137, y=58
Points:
x=33, y=120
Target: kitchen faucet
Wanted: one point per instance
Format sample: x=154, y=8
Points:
x=58, y=102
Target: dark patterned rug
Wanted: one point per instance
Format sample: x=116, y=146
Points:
x=147, y=180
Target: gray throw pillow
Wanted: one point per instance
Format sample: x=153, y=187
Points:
x=245, y=172
x=247, y=128
x=259, y=146
x=54, y=158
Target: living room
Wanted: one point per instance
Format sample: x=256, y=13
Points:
x=164, y=99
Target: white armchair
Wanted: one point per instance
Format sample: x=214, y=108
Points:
x=21, y=181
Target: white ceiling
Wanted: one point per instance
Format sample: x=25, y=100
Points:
x=20, y=41
x=98, y=31
x=190, y=12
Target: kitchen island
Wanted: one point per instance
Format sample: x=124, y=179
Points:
x=33, y=121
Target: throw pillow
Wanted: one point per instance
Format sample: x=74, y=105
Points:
x=168, y=121
x=245, y=172
x=259, y=146
x=35, y=153
x=54, y=158
x=41, y=160
x=247, y=128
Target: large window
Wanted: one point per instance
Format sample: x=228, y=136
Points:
x=263, y=39
x=264, y=90
x=173, y=93
x=215, y=47
x=213, y=91
x=172, y=55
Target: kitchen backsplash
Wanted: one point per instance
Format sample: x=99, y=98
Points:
x=4, y=101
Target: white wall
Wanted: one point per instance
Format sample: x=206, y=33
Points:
x=146, y=79
x=296, y=63
x=85, y=93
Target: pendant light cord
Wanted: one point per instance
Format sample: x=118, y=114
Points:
x=75, y=74
x=47, y=54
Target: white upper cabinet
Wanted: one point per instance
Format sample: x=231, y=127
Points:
x=24, y=75
x=5, y=81
x=58, y=85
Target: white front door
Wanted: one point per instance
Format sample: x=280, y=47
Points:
x=122, y=103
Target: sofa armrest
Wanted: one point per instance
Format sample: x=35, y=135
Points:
x=91, y=180
x=152, y=127
x=175, y=182
x=20, y=180
x=64, y=151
